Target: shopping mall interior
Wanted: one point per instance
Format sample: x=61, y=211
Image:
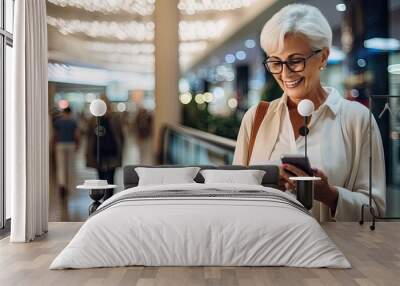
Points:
x=176, y=78
x=96, y=49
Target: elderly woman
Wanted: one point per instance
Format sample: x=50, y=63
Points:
x=297, y=40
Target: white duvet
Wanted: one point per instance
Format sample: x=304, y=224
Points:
x=200, y=231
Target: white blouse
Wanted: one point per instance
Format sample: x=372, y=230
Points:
x=338, y=144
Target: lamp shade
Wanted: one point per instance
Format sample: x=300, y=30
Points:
x=98, y=107
x=305, y=107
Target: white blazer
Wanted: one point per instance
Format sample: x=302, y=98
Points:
x=340, y=141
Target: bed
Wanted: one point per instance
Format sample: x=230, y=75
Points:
x=199, y=224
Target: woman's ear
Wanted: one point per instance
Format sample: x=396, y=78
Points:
x=324, y=57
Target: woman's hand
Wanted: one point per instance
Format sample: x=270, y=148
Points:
x=323, y=192
x=286, y=171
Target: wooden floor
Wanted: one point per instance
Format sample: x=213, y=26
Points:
x=375, y=257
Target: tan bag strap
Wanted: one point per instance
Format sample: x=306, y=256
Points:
x=262, y=109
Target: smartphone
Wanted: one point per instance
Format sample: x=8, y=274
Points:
x=298, y=161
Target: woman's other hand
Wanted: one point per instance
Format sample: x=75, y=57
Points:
x=286, y=171
x=323, y=192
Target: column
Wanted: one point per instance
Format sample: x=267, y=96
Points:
x=168, y=109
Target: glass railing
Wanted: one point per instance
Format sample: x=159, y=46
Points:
x=185, y=146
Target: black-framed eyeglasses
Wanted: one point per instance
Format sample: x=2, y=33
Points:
x=295, y=64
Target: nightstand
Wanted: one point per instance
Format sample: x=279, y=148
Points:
x=96, y=193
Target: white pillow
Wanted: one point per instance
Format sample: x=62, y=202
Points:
x=163, y=176
x=248, y=177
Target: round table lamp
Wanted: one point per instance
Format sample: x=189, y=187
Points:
x=305, y=108
x=98, y=108
x=305, y=185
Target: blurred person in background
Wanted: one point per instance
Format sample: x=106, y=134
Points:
x=66, y=138
x=111, y=144
x=143, y=123
x=143, y=128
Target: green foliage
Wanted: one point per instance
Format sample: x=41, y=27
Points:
x=271, y=90
x=225, y=126
x=195, y=117
x=198, y=117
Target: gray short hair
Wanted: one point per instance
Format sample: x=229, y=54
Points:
x=296, y=18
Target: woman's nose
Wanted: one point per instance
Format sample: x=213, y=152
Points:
x=285, y=71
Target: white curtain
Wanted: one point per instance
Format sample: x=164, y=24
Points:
x=27, y=123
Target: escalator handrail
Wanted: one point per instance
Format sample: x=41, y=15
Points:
x=210, y=138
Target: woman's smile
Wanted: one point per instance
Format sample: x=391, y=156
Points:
x=293, y=83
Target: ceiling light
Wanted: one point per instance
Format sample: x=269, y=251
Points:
x=199, y=98
x=139, y=31
x=208, y=97
x=192, y=47
x=240, y=55
x=121, y=107
x=341, y=7
x=232, y=102
x=141, y=7
x=185, y=98
x=361, y=63
x=394, y=69
x=139, y=48
x=192, y=7
x=94, y=76
x=201, y=30
x=125, y=58
x=230, y=59
x=336, y=55
x=382, y=44
x=250, y=43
